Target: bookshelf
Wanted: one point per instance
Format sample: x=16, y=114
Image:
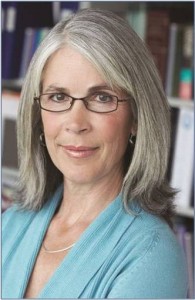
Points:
x=185, y=212
x=137, y=13
x=177, y=102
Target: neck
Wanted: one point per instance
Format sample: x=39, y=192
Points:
x=87, y=200
x=80, y=206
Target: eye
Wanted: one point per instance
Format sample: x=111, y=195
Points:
x=58, y=97
x=104, y=98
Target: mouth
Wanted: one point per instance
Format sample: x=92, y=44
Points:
x=79, y=151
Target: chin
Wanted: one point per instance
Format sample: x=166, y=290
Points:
x=79, y=178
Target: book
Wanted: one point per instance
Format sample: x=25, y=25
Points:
x=177, y=61
x=192, y=193
x=188, y=241
x=186, y=71
x=171, y=59
x=182, y=74
x=10, y=102
x=26, y=51
x=3, y=32
x=185, y=84
x=67, y=8
x=64, y=9
x=185, y=238
x=25, y=16
x=174, y=121
x=8, y=39
x=180, y=231
x=183, y=157
x=32, y=38
x=137, y=17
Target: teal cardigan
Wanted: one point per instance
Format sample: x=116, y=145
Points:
x=118, y=256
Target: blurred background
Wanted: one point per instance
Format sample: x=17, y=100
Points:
x=167, y=29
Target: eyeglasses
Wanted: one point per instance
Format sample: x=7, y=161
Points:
x=100, y=102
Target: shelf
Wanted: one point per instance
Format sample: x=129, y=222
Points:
x=185, y=211
x=9, y=176
x=12, y=84
x=177, y=102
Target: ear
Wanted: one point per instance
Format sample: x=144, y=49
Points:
x=133, y=129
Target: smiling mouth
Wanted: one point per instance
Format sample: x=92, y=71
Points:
x=79, y=151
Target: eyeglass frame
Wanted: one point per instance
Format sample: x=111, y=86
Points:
x=73, y=99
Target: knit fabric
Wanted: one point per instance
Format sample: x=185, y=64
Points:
x=117, y=256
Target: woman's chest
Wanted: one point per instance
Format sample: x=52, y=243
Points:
x=45, y=266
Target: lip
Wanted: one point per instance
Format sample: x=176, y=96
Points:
x=79, y=151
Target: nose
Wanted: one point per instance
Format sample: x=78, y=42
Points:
x=78, y=118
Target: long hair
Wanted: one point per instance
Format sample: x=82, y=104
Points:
x=121, y=57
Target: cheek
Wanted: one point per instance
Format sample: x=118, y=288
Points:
x=50, y=125
x=116, y=130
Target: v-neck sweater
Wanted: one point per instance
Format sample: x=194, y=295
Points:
x=120, y=255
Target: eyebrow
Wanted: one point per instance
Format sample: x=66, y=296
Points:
x=53, y=87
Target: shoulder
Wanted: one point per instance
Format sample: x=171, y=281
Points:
x=154, y=264
x=152, y=237
x=14, y=220
x=15, y=223
x=150, y=228
x=14, y=213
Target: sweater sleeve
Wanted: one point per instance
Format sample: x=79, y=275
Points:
x=159, y=273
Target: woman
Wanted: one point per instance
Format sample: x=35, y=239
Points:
x=93, y=212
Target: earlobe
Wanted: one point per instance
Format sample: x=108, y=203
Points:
x=132, y=139
x=133, y=131
x=42, y=140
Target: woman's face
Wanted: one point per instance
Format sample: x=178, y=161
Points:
x=87, y=147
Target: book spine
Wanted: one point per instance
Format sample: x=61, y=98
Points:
x=182, y=167
x=137, y=19
x=27, y=45
x=185, y=85
x=189, y=258
x=174, y=121
x=178, y=61
x=56, y=11
x=44, y=32
x=10, y=25
x=186, y=78
x=32, y=38
x=171, y=58
x=3, y=26
x=27, y=17
x=63, y=10
x=185, y=238
x=180, y=233
x=68, y=8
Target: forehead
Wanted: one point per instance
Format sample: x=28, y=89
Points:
x=68, y=60
x=70, y=69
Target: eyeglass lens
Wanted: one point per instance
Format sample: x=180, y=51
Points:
x=61, y=102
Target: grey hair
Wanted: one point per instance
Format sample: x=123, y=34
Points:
x=125, y=62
